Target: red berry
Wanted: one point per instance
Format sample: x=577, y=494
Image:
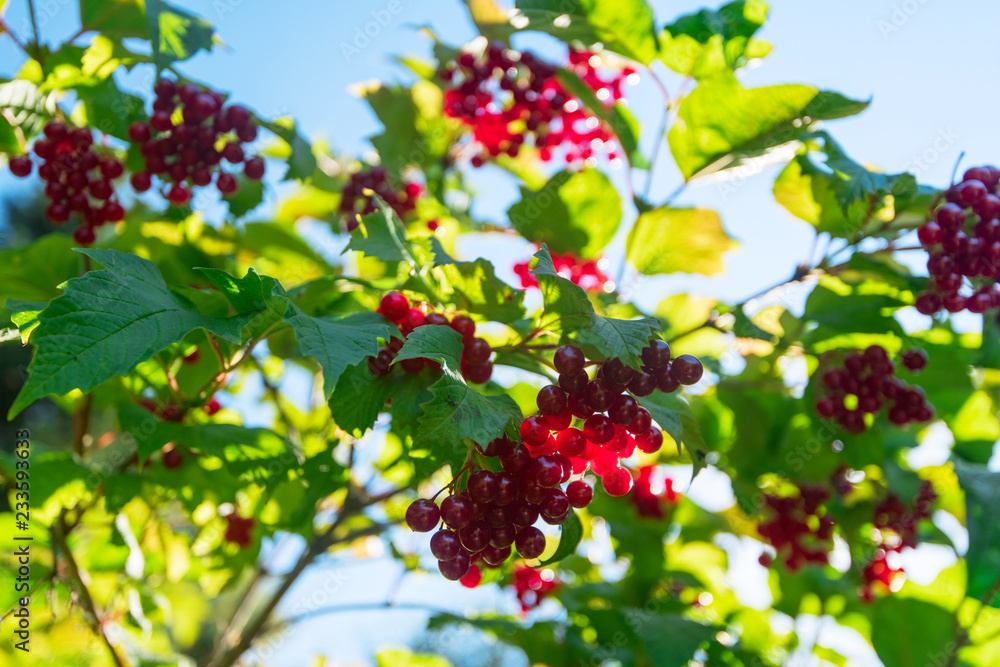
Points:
x=482, y=486
x=254, y=169
x=477, y=351
x=20, y=165
x=178, y=195
x=569, y=360
x=551, y=400
x=172, y=458
x=930, y=234
x=650, y=442
x=534, y=431
x=915, y=360
x=464, y=325
x=113, y=212
x=530, y=543
x=598, y=429
x=226, y=184
x=623, y=410
x=656, y=354
x=687, y=369
x=457, y=511
x=571, y=442
x=84, y=235
x=579, y=493
x=445, y=544
x=394, y=306
x=422, y=515
x=617, y=482
x=456, y=568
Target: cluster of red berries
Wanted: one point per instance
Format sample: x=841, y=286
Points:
x=507, y=97
x=800, y=530
x=963, y=242
x=897, y=528
x=651, y=491
x=190, y=152
x=172, y=412
x=354, y=201
x=77, y=178
x=497, y=510
x=606, y=80
x=614, y=424
x=532, y=586
x=588, y=274
x=476, y=366
x=239, y=530
x=866, y=384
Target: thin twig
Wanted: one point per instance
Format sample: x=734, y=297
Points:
x=59, y=532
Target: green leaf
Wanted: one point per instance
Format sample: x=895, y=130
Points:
x=623, y=339
x=176, y=34
x=569, y=538
x=253, y=454
x=475, y=288
x=721, y=122
x=442, y=344
x=907, y=632
x=382, y=235
x=575, y=213
x=106, y=108
x=120, y=18
x=675, y=416
x=807, y=193
x=853, y=183
x=299, y=154
x=982, y=517
x=34, y=272
x=259, y=297
x=106, y=323
x=624, y=26
x=563, y=298
x=336, y=343
x=670, y=640
x=708, y=42
x=678, y=240
x=25, y=315
x=248, y=196
x=456, y=411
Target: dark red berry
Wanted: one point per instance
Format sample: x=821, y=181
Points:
x=422, y=515
x=569, y=360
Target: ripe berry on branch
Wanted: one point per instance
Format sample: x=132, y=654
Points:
x=78, y=179
x=354, y=201
x=510, y=99
x=189, y=135
x=869, y=379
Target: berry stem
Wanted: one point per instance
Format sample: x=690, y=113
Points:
x=34, y=29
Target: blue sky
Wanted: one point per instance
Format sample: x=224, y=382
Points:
x=925, y=64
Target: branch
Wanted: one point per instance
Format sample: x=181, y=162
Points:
x=234, y=641
x=59, y=532
x=81, y=423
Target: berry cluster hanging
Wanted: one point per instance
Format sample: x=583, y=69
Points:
x=867, y=384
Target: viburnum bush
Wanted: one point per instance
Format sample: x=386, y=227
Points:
x=235, y=359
